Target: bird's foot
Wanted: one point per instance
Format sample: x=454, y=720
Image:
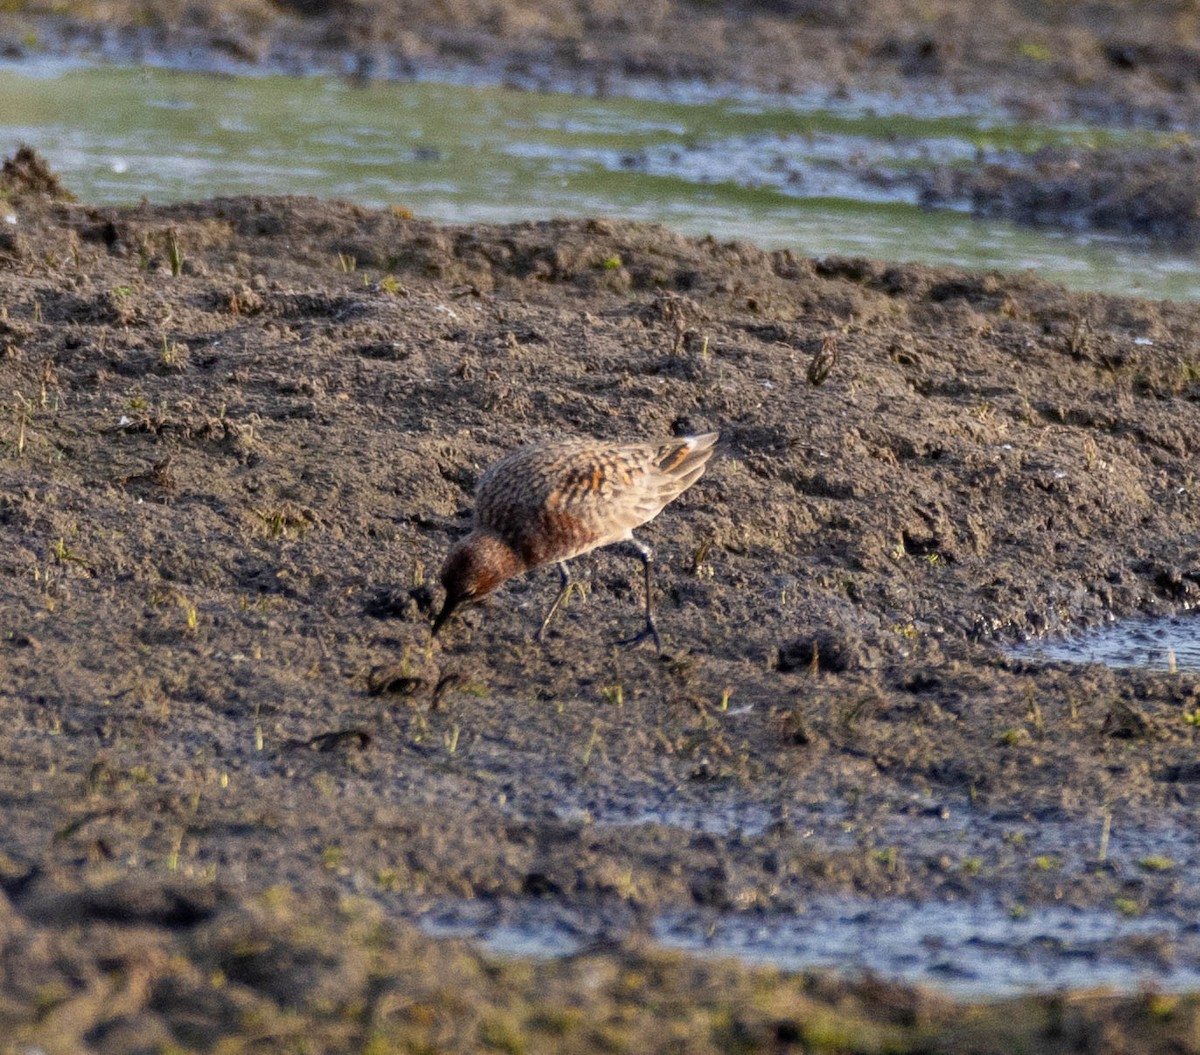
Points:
x=648, y=631
x=563, y=601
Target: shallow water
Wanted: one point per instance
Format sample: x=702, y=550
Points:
x=1158, y=644
x=974, y=949
x=988, y=946
x=802, y=173
x=718, y=816
x=545, y=936
x=971, y=949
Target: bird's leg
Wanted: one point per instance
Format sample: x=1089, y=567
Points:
x=565, y=586
x=649, y=630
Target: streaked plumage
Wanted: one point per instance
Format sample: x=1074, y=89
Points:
x=550, y=502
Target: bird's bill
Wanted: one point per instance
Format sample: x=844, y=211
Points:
x=448, y=607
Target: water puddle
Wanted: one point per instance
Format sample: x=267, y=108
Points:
x=988, y=947
x=503, y=940
x=541, y=929
x=977, y=950
x=974, y=950
x=1156, y=644
x=718, y=817
x=819, y=176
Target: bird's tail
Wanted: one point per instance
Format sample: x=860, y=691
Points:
x=681, y=462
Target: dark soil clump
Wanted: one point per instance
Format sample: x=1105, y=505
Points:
x=27, y=173
x=25, y=178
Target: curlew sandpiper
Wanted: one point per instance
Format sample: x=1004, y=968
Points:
x=554, y=501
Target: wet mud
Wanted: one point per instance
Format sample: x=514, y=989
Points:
x=239, y=436
x=1152, y=194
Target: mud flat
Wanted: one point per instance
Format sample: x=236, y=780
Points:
x=238, y=436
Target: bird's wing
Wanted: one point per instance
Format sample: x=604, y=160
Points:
x=616, y=488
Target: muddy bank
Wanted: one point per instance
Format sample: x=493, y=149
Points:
x=1152, y=194
x=1099, y=62
x=240, y=435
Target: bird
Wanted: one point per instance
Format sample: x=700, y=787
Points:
x=550, y=502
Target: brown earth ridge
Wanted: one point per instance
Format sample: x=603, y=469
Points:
x=238, y=437
x=1109, y=65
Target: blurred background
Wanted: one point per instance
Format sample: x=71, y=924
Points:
x=1005, y=135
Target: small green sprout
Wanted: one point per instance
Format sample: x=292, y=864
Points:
x=174, y=253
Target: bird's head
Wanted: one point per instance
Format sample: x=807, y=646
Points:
x=473, y=569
